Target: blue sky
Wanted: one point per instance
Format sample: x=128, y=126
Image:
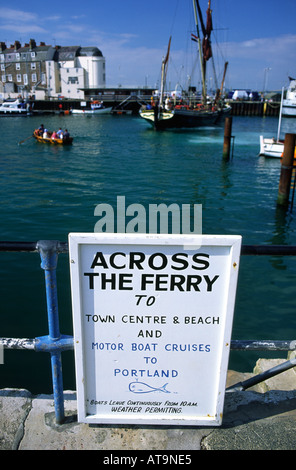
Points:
x=256, y=37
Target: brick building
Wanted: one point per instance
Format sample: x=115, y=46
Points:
x=47, y=72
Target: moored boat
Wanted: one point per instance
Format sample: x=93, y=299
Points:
x=273, y=147
x=50, y=140
x=289, y=103
x=194, y=114
x=96, y=107
x=15, y=108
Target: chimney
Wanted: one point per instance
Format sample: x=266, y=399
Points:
x=17, y=45
x=2, y=46
x=32, y=44
x=42, y=43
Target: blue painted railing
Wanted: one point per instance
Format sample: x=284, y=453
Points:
x=55, y=343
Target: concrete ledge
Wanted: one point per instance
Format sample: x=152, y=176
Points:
x=15, y=406
x=252, y=420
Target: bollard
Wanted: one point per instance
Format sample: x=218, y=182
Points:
x=227, y=138
x=286, y=169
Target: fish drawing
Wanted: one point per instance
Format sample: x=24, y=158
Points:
x=141, y=387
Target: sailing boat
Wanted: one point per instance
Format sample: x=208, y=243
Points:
x=204, y=113
x=271, y=147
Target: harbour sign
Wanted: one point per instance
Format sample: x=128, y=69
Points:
x=152, y=318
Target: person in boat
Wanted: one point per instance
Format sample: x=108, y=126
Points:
x=168, y=104
x=45, y=134
x=54, y=135
x=41, y=130
x=66, y=135
x=60, y=133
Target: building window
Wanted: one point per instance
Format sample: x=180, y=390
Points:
x=73, y=80
x=18, y=66
x=3, y=67
x=17, y=55
x=9, y=78
x=43, y=78
x=34, y=77
x=25, y=77
x=33, y=66
x=18, y=77
x=33, y=54
x=3, y=78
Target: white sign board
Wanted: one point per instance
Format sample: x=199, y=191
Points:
x=152, y=326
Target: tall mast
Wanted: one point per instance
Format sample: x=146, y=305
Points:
x=204, y=92
x=164, y=71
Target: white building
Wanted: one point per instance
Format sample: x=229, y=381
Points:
x=50, y=72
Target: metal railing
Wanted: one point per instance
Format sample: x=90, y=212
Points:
x=55, y=343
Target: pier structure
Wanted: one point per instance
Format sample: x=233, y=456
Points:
x=130, y=100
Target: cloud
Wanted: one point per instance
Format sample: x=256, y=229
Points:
x=17, y=15
x=23, y=28
x=249, y=59
x=130, y=64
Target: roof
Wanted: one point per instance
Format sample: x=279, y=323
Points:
x=66, y=53
x=59, y=53
x=90, y=51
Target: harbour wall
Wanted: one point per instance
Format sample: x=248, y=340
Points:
x=133, y=103
x=255, y=108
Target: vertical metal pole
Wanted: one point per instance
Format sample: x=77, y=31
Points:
x=49, y=257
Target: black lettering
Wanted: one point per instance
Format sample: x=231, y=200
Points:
x=177, y=258
x=123, y=280
x=210, y=282
x=163, y=263
x=146, y=279
x=193, y=281
x=91, y=279
x=136, y=259
x=177, y=281
x=112, y=260
x=111, y=280
x=99, y=257
x=160, y=281
x=204, y=263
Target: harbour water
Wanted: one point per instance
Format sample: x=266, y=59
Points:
x=49, y=191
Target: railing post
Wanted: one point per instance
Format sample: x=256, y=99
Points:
x=48, y=250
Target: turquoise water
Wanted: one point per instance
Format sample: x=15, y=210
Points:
x=49, y=191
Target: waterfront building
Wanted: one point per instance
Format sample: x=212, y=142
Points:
x=49, y=72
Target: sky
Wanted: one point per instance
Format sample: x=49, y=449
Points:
x=257, y=38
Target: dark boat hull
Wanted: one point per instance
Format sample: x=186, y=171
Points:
x=184, y=118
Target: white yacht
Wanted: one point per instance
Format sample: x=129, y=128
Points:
x=289, y=103
x=14, y=107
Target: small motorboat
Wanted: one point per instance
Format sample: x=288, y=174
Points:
x=50, y=140
x=16, y=107
x=96, y=107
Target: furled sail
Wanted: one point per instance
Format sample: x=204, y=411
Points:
x=206, y=30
